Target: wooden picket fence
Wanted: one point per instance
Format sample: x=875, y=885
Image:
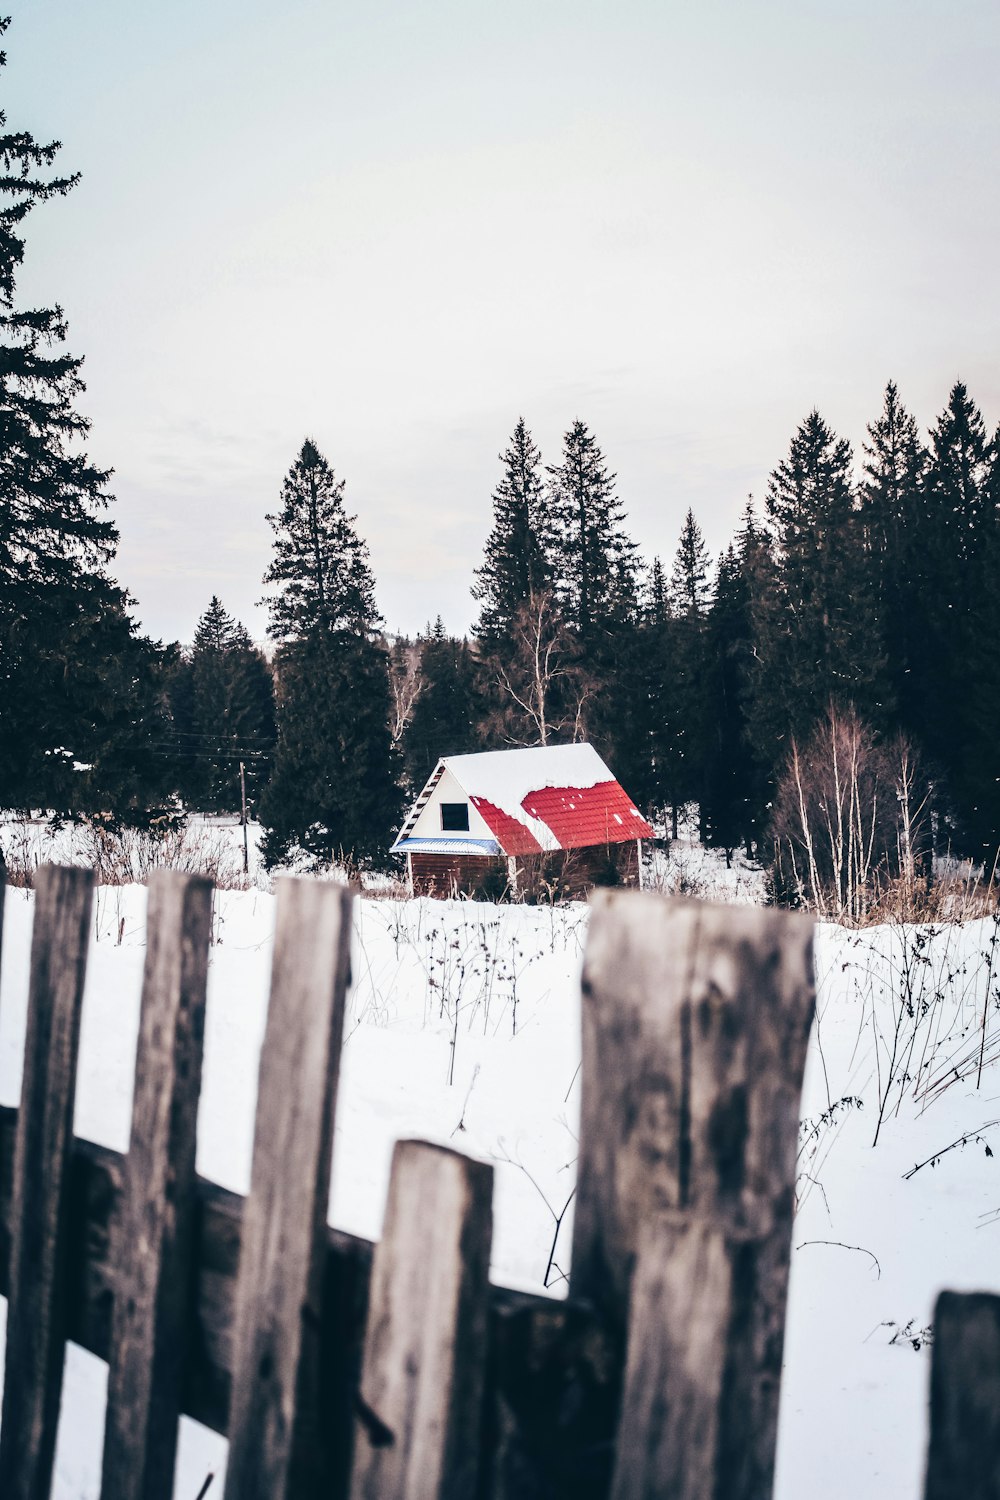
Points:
x=397, y=1372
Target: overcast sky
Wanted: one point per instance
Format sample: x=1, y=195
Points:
x=398, y=227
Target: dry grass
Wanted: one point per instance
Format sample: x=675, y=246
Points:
x=127, y=856
x=957, y=893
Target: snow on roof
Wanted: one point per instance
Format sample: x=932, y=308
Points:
x=544, y=798
x=507, y=776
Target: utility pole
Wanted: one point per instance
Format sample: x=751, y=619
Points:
x=243, y=818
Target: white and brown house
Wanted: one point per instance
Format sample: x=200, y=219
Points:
x=515, y=818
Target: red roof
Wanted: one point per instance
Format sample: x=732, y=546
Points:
x=511, y=835
x=576, y=817
x=581, y=816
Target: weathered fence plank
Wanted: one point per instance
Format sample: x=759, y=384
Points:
x=37, y=1277
x=275, y=1449
x=417, y=1435
x=678, y=1341
x=963, y=1459
x=152, y=1306
x=695, y=1026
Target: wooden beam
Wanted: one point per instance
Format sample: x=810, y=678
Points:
x=695, y=1027
x=417, y=1437
x=963, y=1460
x=275, y=1447
x=154, y=1234
x=36, y=1315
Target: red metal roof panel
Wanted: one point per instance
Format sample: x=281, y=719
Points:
x=582, y=816
x=512, y=836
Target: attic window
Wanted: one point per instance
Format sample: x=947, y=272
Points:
x=455, y=817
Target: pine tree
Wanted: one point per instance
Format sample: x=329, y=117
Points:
x=817, y=632
x=954, y=676
x=216, y=632
x=894, y=466
x=82, y=722
x=735, y=786
x=593, y=557
x=516, y=562
x=446, y=714
x=679, y=728
x=334, y=790
x=978, y=779
x=958, y=484
x=320, y=576
x=657, y=605
x=222, y=702
x=51, y=531
x=79, y=689
x=690, y=590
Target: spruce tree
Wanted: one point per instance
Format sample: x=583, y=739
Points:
x=690, y=589
x=657, y=604
x=52, y=531
x=735, y=789
x=894, y=467
x=955, y=679
x=596, y=589
x=333, y=793
x=216, y=632
x=516, y=561
x=222, y=701
x=679, y=730
x=334, y=790
x=958, y=485
x=80, y=708
x=594, y=567
x=817, y=630
x=446, y=714
x=979, y=782
x=320, y=576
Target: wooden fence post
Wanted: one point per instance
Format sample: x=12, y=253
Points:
x=36, y=1309
x=425, y=1351
x=153, y=1241
x=963, y=1460
x=695, y=1027
x=274, y=1440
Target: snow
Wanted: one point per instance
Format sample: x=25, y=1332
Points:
x=463, y=1027
x=507, y=776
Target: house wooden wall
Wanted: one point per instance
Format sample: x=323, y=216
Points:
x=448, y=874
x=570, y=872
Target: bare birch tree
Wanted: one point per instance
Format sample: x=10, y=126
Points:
x=543, y=688
x=849, y=818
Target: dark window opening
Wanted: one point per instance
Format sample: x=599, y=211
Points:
x=455, y=817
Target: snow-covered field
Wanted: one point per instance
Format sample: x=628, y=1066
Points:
x=463, y=1027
